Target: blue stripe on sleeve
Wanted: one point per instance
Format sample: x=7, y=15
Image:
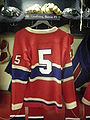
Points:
x=67, y=72
x=20, y=74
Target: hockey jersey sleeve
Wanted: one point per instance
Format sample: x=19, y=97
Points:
x=20, y=71
x=86, y=97
x=68, y=89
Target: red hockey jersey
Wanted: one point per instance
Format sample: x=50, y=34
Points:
x=42, y=74
x=86, y=97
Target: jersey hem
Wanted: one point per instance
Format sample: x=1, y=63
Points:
x=85, y=101
x=71, y=105
x=17, y=106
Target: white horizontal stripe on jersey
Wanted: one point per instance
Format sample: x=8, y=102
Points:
x=32, y=117
x=87, y=116
x=54, y=65
x=71, y=105
x=17, y=115
x=72, y=118
x=68, y=79
x=33, y=66
x=19, y=81
x=17, y=106
x=20, y=68
x=46, y=79
x=68, y=65
x=85, y=101
x=42, y=100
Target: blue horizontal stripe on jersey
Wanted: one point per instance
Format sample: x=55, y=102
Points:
x=36, y=73
x=20, y=74
x=67, y=72
x=50, y=104
x=56, y=72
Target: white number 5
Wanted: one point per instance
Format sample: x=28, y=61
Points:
x=17, y=59
x=45, y=62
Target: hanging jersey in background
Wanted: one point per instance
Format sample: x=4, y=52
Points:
x=86, y=97
x=42, y=73
x=81, y=63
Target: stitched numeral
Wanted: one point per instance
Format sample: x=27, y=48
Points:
x=17, y=59
x=44, y=62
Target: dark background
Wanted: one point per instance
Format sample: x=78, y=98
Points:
x=23, y=4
